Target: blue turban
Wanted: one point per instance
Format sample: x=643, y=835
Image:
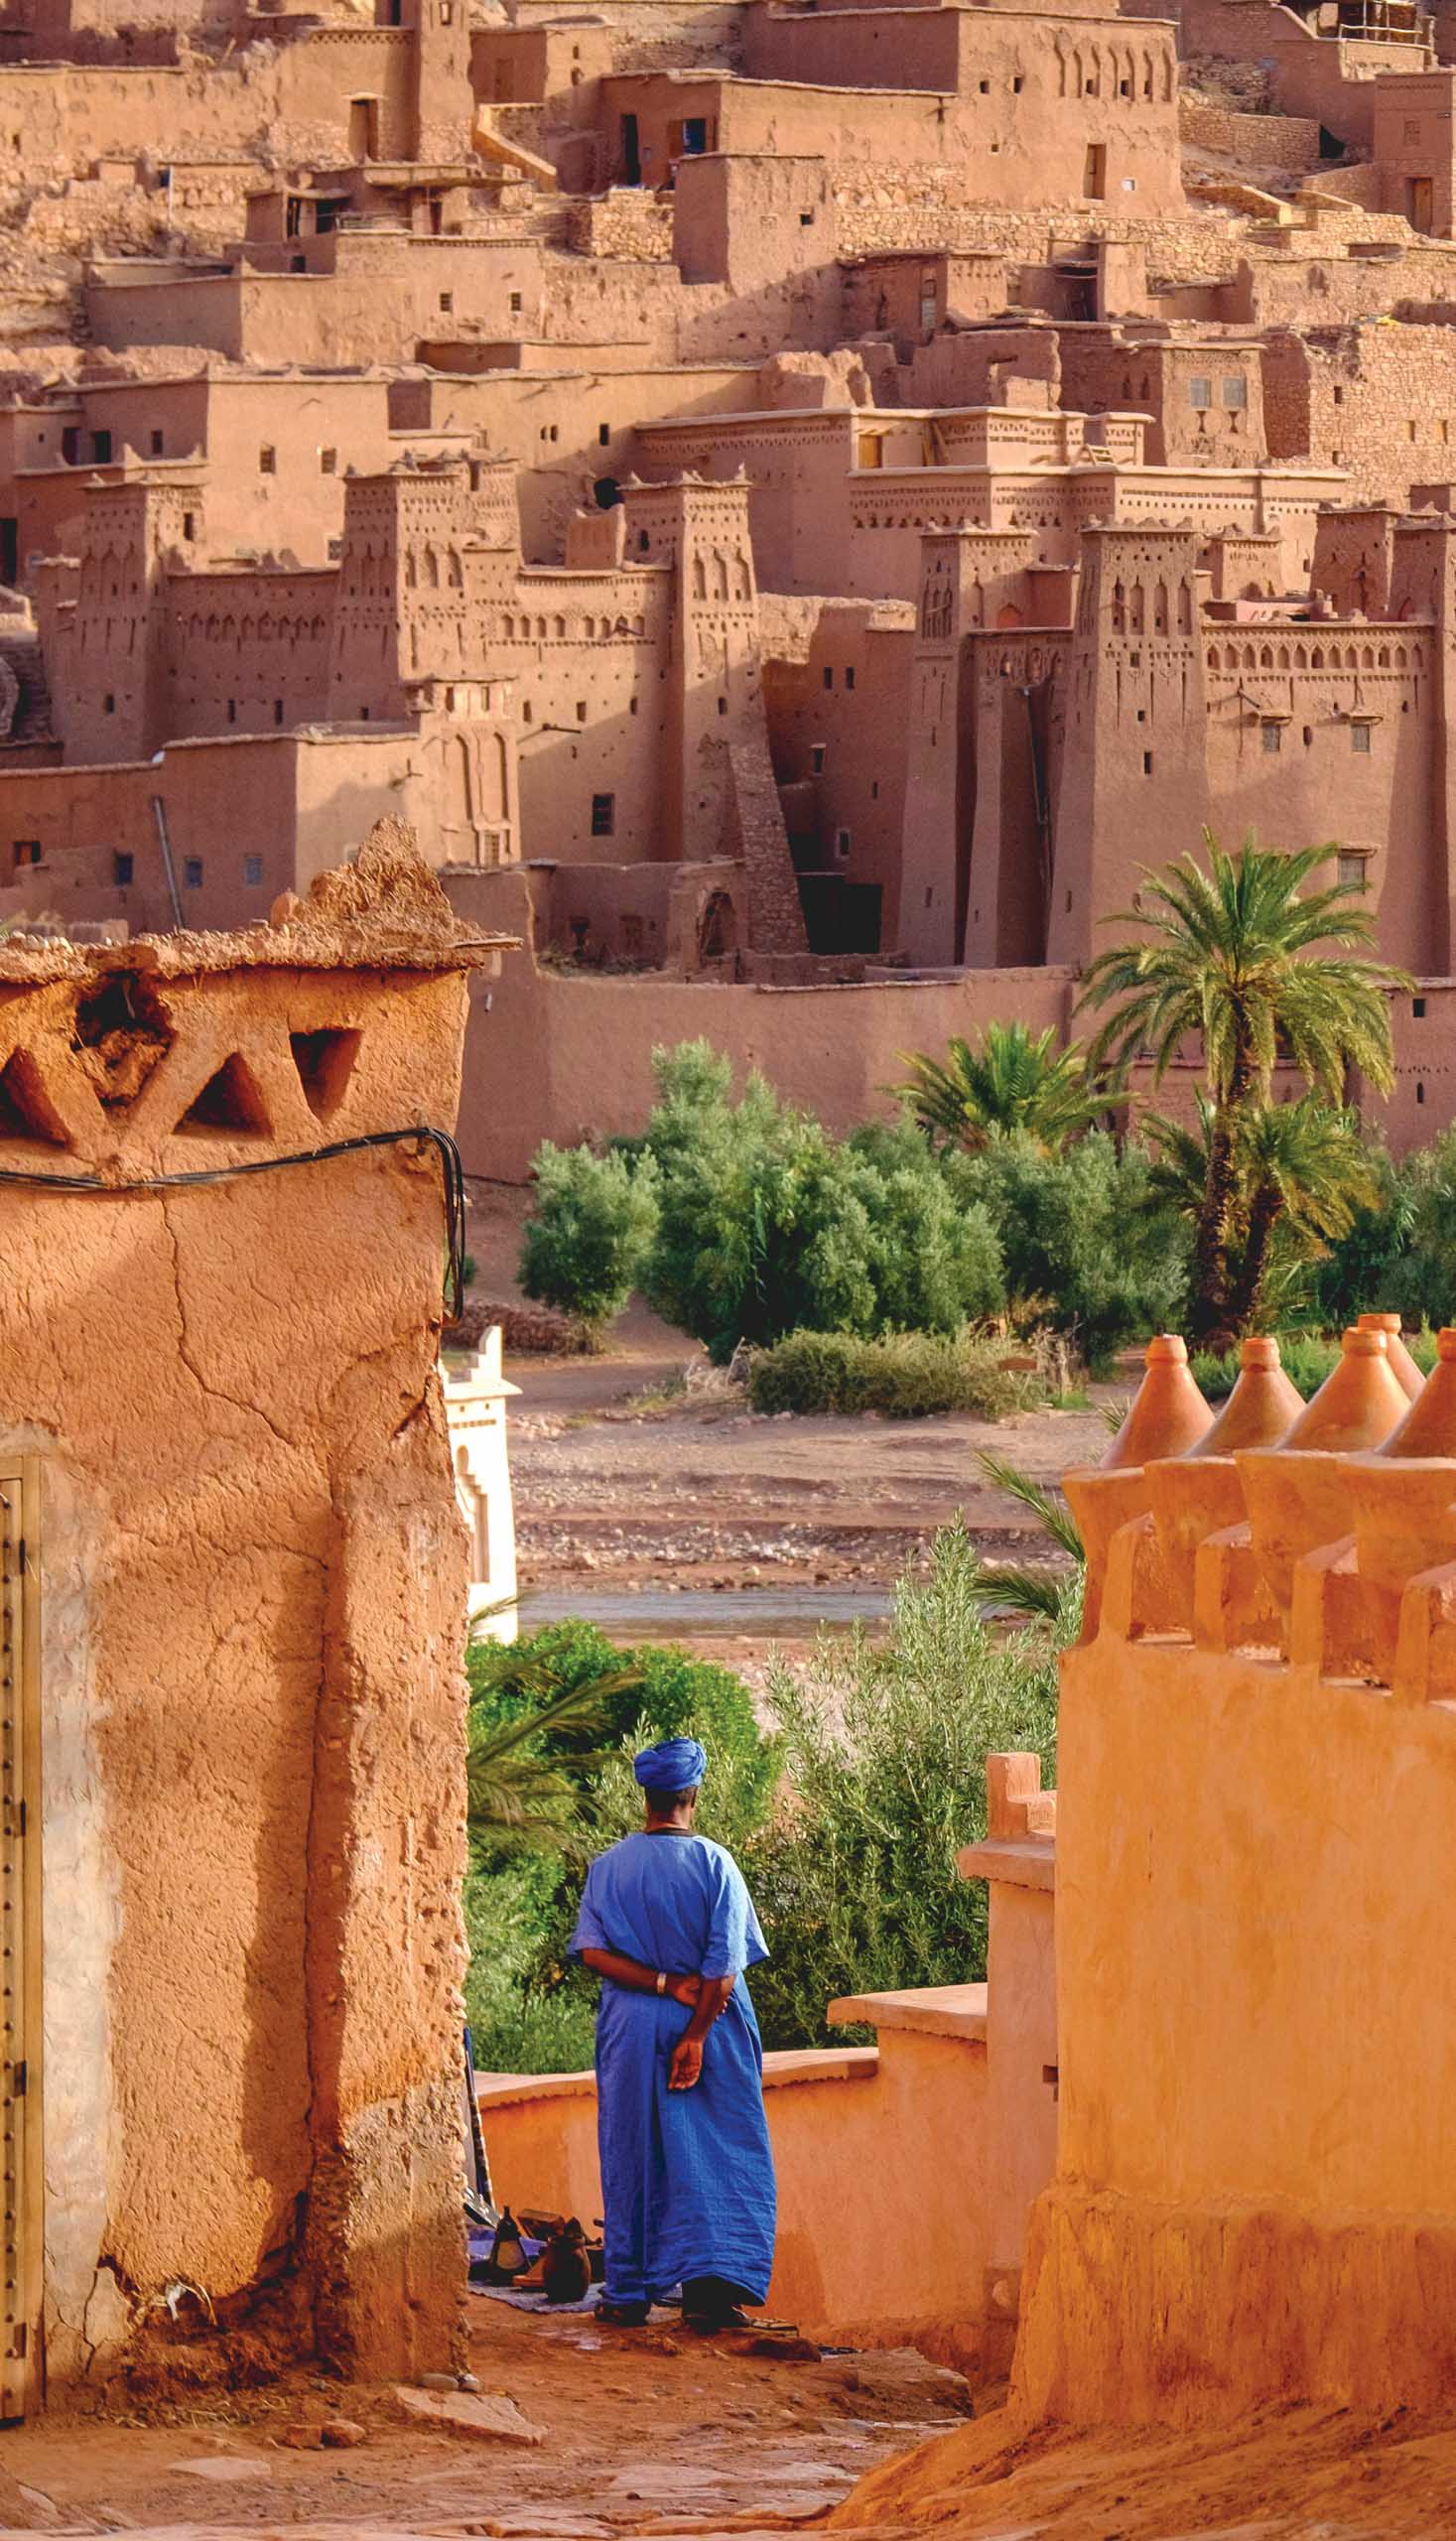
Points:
x=674, y=1764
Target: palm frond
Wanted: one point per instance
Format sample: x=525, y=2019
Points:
x=1051, y=1513
x=1017, y=1589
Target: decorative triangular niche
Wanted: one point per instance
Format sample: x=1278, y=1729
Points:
x=325, y=1062
x=27, y=1112
x=230, y=1104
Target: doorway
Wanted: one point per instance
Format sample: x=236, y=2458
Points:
x=631, y=152
x=22, y=2219
x=363, y=128
x=1423, y=204
x=1095, y=172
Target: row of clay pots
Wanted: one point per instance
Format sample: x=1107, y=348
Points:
x=1371, y=1454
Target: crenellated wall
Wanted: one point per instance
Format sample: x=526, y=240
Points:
x=1253, y=2198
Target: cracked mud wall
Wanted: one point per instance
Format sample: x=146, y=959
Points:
x=253, y=1599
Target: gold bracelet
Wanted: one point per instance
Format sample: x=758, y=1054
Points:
x=662, y=1980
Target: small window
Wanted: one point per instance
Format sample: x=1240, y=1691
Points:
x=603, y=434
x=722, y=705
x=580, y=710
x=1234, y=391
x=842, y=843
x=122, y=868
x=1272, y=738
x=1147, y=762
x=1360, y=739
x=108, y=703
x=276, y=709
x=816, y=758
x=328, y=463
x=232, y=710
x=1308, y=736
x=26, y=850
x=335, y=550
x=102, y=449
x=828, y=674
x=516, y=303
x=190, y=525
x=71, y=444
x=1338, y=395
x=1017, y=84
x=192, y=873
x=1200, y=394
x=1350, y=872
x=849, y=676
x=806, y=220
x=1418, y=1008
x=1410, y=128
x=267, y=459
x=446, y=304
x=1419, y=1091
x=159, y=440
x=1410, y=429
x=983, y=87
x=253, y=870
x=604, y=815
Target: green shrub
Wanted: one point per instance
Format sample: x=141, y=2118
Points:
x=908, y=1373
x=530, y=2008
x=590, y=1233
x=884, y=1751
x=1307, y=1358
x=1085, y=1250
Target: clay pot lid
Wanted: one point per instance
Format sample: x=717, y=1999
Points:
x=1167, y=1415
x=1429, y=1427
x=1359, y=1404
x=1403, y=1366
x=1260, y=1407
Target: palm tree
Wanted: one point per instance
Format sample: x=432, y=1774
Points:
x=1012, y=1081
x=1307, y=1173
x=1228, y=958
x=1304, y=1173
x=522, y=1798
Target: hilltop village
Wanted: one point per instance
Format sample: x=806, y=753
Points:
x=785, y=498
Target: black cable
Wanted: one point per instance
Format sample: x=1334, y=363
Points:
x=451, y=1174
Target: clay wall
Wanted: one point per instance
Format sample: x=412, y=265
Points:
x=835, y=688
x=1252, y=1702
x=212, y=2010
x=296, y=804
x=246, y=653
x=1071, y=100
x=1416, y=149
x=908, y=295
x=1203, y=400
x=568, y=427
x=1281, y=778
x=585, y=1043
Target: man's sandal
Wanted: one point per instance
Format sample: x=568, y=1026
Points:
x=622, y=2316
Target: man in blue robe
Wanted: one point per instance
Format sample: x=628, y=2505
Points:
x=687, y=2174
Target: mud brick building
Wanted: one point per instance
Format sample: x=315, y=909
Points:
x=789, y=501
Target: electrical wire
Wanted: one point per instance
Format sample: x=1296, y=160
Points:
x=451, y=1175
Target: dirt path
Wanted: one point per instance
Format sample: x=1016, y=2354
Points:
x=635, y=2428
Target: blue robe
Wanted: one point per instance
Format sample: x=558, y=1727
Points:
x=687, y=2177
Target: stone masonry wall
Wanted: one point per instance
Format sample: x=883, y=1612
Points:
x=882, y=208
x=1377, y=400
x=1252, y=141
x=625, y=223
